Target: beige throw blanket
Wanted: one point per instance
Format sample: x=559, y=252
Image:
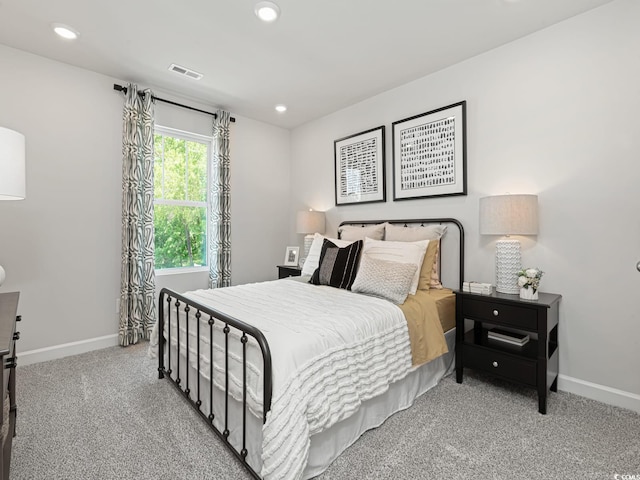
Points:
x=427, y=312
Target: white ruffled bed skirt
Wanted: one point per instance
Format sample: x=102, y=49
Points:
x=327, y=445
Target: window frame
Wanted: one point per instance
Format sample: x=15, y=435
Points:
x=194, y=137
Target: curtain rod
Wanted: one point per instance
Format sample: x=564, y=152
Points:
x=122, y=89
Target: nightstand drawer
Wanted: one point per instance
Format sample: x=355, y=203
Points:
x=518, y=317
x=285, y=271
x=507, y=366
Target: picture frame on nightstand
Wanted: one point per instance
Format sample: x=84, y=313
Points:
x=291, y=256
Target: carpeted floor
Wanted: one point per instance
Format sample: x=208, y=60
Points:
x=105, y=415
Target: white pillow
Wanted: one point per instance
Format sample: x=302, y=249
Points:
x=380, y=278
x=360, y=232
x=313, y=259
x=403, y=252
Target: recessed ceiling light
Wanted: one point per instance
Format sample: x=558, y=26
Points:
x=267, y=11
x=281, y=108
x=65, y=31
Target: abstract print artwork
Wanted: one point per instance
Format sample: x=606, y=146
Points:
x=429, y=154
x=359, y=167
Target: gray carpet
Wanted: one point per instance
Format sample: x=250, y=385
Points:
x=105, y=415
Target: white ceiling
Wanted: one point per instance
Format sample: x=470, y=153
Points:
x=317, y=58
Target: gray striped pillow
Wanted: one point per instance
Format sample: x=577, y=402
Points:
x=338, y=266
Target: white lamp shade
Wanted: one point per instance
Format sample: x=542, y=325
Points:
x=509, y=215
x=310, y=221
x=12, y=165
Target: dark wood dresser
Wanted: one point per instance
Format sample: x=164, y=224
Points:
x=8, y=337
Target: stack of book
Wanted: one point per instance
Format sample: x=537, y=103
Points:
x=512, y=338
x=477, y=287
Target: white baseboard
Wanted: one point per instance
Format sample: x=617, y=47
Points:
x=66, y=349
x=601, y=393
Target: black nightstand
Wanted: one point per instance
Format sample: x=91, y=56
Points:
x=534, y=364
x=285, y=271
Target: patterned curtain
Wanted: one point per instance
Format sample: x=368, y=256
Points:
x=137, y=284
x=219, y=211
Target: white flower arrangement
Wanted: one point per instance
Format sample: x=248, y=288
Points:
x=530, y=277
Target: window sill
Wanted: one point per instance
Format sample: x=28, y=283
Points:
x=179, y=271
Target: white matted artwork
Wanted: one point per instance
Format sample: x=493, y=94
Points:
x=291, y=256
x=359, y=167
x=430, y=154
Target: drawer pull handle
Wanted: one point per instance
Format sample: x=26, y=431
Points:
x=496, y=313
x=495, y=364
x=16, y=336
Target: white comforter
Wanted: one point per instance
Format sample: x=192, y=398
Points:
x=331, y=350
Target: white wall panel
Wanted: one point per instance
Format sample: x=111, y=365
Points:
x=554, y=114
x=61, y=246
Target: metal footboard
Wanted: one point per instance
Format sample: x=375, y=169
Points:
x=178, y=309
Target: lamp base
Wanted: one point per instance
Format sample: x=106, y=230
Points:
x=308, y=240
x=508, y=264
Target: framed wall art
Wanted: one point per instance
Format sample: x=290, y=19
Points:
x=359, y=167
x=430, y=154
x=291, y=256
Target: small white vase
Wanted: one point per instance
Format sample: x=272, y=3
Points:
x=528, y=294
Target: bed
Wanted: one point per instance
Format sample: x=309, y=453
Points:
x=289, y=374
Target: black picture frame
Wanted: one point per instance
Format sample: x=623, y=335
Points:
x=430, y=154
x=359, y=162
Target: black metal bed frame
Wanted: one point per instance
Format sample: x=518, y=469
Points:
x=229, y=323
x=422, y=222
x=175, y=300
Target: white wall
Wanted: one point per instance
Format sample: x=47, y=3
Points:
x=553, y=114
x=61, y=246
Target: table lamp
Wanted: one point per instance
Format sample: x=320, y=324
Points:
x=508, y=215
x=12, y=169
x=309, y=222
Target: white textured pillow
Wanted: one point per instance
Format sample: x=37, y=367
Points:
x=358, y=232
x=380, y=278
x=402, y=252
x=313, y=259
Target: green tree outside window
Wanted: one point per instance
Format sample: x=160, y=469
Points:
x=180, y=203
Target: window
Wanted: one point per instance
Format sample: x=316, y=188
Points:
x=180, y=198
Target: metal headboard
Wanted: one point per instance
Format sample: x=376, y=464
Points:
x=422, y=222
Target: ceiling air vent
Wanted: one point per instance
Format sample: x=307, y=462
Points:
x=185, y=71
